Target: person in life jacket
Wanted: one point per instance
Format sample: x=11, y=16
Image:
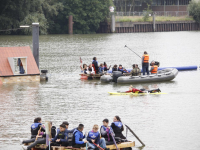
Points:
x=41, y=139
x=107, y=132
x=106, y=68
x=101, y=69
x=68, y=132
x=91, y=69
x=118, y=127
x=35, y=127
x=95, y=65
x=136, y=71
x=120, y=68
x=154, y=68
x=77, y=139
x=134, y=90
x=114, y=68
x=60, y=139
x=145, y=63
x=94, y=137
x=84, y=69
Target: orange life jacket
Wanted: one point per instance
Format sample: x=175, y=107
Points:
x=154, y=71
x=146, y=58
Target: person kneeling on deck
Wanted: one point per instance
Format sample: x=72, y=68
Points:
x=77, y=139
x=118, y=127
x=136, y=71
x=60, y=139
x=94, y=138
x=154, y=68
x=134, y=90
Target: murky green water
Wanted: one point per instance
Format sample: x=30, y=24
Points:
x=162, y=122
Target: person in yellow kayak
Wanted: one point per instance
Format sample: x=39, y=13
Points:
x=134, y=90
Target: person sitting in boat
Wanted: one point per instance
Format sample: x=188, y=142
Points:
x=134, y=90
x=41, y=139
x=114, y=68
x=106, y=67
x=107, y=132
x=118, y=127
x=154, y=68
x=136, y=71
x=68, y=132
x=94, y=138
x=123, y=70
x=91, y=69
x=60, y=139
x=101, y=69
x=84, y=69
x=77, y=139
x=95, y=65
x=36, y=126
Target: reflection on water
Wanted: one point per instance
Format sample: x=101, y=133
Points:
x=161, y=121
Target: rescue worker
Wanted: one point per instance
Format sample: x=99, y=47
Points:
x=118, y=127
x=95, y=65
x=154, y=68
x=35, y=127
x=94, y=137
x=77, y=139
x=145, y=63
x=60, y=139
x=136, y=71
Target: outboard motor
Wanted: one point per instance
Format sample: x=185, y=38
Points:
x=116, y=74
x=156, y=63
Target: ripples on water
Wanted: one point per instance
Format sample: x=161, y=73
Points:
x=161, y=121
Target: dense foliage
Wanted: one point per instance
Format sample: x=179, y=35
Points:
x=53, y=15
x=194, y=10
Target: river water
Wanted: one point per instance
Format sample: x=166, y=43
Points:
x=163, y=122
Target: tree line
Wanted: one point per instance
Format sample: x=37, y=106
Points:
x=53, y=15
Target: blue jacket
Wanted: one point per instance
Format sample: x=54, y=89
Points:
x=101, y=69
x=78, y=135
x=93, y=136
x=61, y=140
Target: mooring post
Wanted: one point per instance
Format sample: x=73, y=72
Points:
x=154, y=22
x=112, y=22
x=35, y=35
x=70, y=24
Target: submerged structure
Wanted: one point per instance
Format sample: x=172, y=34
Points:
x=17, y=64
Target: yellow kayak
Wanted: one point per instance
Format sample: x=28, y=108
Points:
x=123, y=93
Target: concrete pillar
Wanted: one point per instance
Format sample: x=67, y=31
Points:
x=154, y=22
x=113, y=23
x=35, y=35
x=70, y=24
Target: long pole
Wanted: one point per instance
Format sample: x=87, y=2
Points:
x=113, y=138
x=135, y=135
x=35, y=35
x=132, y=51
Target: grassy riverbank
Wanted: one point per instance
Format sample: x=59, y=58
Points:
x=158, y=18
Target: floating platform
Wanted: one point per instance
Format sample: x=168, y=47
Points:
x=112, y=147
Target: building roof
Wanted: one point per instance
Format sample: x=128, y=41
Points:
x=5, y=52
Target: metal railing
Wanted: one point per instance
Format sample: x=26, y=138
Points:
x=158, y=13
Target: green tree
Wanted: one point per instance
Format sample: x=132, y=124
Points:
x=194, y=10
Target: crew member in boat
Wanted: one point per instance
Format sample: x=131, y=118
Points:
x=95, y=65
x=123, y=70
x=106, y=68
x=145, y=63
x=41, y=139
x=78, y=137
x=94, y=138
x=118, y=127
x=135, y=71
x=154, y=68
x=134, y=90
x=84, y=69
x=101, y=69
x=36, y=126
x=114, y=68
x=60, y=139
x=91, y=69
